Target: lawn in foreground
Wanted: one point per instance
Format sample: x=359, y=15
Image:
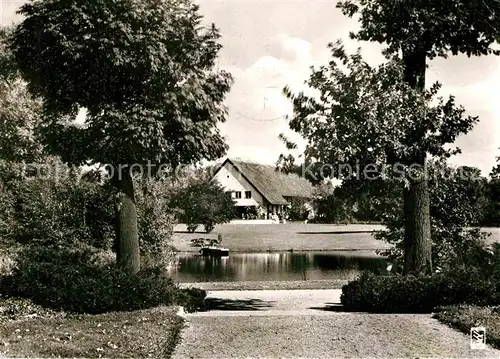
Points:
x=138, y=334
x=296, y=236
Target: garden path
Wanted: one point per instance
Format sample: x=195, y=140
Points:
x=309, y=323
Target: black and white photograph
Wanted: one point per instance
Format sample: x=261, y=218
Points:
x=249, y=179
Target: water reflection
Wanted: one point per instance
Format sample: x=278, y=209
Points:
x=275, y=266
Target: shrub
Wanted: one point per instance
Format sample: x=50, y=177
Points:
x=61, y=209
x=203, y=202
x=51, y=205
x=411, y=294
x=75, y=281
x=155, y=222
x=457, y=204
x=191, y=298
x=20, y=308
x=206, y=242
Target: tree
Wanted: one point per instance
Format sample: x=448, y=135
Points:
x=145, y=72
x=493, y=216
x=329, y=205
x=458, y=202
x=19, y=111
x=495, y=172
x=362, y=126
x=203, y=202
x=418, y=30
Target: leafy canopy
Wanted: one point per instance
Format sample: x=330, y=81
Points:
x=369, y=115
x=143, y=69
x=203, y=202
x=429, y=26
x=19, y=111
x=458, y=203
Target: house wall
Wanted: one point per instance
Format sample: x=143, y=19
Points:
x=232, y=180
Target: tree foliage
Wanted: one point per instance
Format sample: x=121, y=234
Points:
x=20, y=112
x=456, y=26
x=203, y=203
x=366, y=115
x=144, y=70
x=416, y=31
x=330, y=206
x=458, y=203
x=42, y=207
x=493, y=216
x=156, y=220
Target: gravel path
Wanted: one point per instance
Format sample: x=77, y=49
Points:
x=307, y=323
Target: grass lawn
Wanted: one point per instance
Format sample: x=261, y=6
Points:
x=295, y=236
x=464, y=317
x=139, y=334
x=281, y=237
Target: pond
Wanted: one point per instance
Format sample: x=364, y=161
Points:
x=279, y=266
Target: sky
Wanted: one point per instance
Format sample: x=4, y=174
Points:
x=270, y=44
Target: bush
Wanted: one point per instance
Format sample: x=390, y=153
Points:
x=60, y=210
x=422, y=294
x=203, y=202
x=19, y=308
x=75, y=281
x=55, y=208
x=191, y=298
x=155, y=222
x=457, y=205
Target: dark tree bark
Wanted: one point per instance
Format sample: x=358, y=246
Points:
x=417, y=246
x=127, y=236
x=116, y=244
x=417, y=238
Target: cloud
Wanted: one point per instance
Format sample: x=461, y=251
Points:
x=8, y=10
x=259, y=111
x=270, y=44
x=479, y=98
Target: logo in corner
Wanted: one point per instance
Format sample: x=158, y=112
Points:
x=478, y=338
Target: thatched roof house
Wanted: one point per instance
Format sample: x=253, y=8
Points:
x=257, y=185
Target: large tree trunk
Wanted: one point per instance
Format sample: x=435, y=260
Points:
x=116, y=244
x=417, y=223
x=417, y=238
x=127, y=237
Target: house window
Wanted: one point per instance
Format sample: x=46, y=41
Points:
x=248, y=194
x=237, y=194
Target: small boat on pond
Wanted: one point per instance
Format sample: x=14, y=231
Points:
x=214, y=251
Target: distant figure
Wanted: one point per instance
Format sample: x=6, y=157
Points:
x=305, y=222
x=275, y=218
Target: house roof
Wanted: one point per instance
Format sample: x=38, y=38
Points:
x=271, y=184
